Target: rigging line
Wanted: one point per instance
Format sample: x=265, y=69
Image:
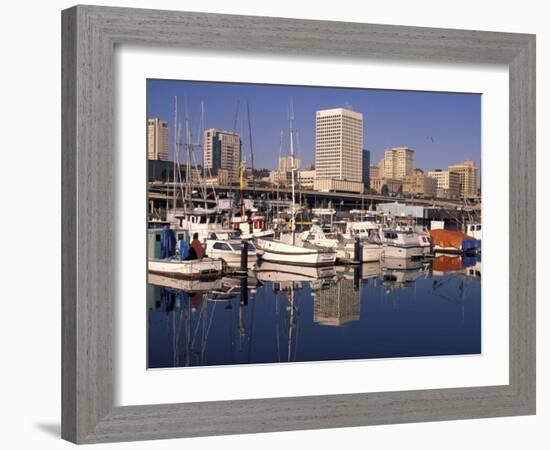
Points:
x=202, y=183
x=181, y=187
x=201, y=146
x=251, y=146
x=300, y=193
x=278, y=169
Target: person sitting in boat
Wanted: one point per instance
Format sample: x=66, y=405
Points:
x=195, y=250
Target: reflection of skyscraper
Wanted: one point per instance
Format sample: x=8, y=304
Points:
x=336, y=304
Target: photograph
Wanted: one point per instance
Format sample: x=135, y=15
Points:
x=311, y=223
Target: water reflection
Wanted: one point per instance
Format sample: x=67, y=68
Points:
x=281, y=313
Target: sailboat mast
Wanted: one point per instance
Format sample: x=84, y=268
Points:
x=188, y=193
x=251, y=147
x=175, y=152
x=293, y=219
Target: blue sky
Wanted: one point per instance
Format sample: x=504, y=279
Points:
x=442, y=128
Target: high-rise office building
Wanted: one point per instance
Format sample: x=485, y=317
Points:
x=398, y=162
x=419, y=184
x=448, y=183
x=157, y=139
x=468, y=178
x=366, y=168
x=339, y=149
x=222, y=150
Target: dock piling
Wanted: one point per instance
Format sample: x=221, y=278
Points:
x=244, y=256
x=357, y=257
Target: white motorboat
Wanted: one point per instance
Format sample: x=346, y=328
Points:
x=253, y=227
x=401, y=244
x=473, y=230
x=230, y=251
x=291, y=249
x=362, y=230
x=425, y=243
x=196, y=268
x=370, y=251
x=201, y=221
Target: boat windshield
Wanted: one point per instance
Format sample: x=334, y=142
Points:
x=237, y=246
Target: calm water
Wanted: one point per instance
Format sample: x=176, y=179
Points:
x=281, y=314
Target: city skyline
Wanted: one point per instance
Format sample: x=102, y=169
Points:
x=442, y=128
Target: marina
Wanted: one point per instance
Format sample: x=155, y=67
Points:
x=329, y=263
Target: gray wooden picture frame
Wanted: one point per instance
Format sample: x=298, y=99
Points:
x=90, y=34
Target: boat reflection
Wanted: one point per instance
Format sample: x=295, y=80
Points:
x=276, y=272
x=187, y=285
x=281, y=313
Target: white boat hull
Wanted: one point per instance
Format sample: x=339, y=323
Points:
x=369, y=253
x=197, y=268
x=233, y=259
x=280, y=252
x=258, y=234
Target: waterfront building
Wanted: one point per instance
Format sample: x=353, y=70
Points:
x=222, y=150
x=281, y=178
x=157, y=139
x=336, y=304
x=468, y=178
x=386, y=186
x=306, y=179
x=355, y=187
x=339, y=150
x=366, y=169
x=382, y=168
x=419, y=184
x=285, y=163
x=374, y=172
x=448, y=183
x=398, y=162
x=283, y=175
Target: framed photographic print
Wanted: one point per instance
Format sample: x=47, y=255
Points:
x=266, y=230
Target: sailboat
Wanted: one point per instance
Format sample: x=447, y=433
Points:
x=290, y=248
x=170, y=263
x=202, y=220
x=247, y=222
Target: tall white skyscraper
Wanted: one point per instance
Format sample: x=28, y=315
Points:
x=339, y=146
x=157, y=139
